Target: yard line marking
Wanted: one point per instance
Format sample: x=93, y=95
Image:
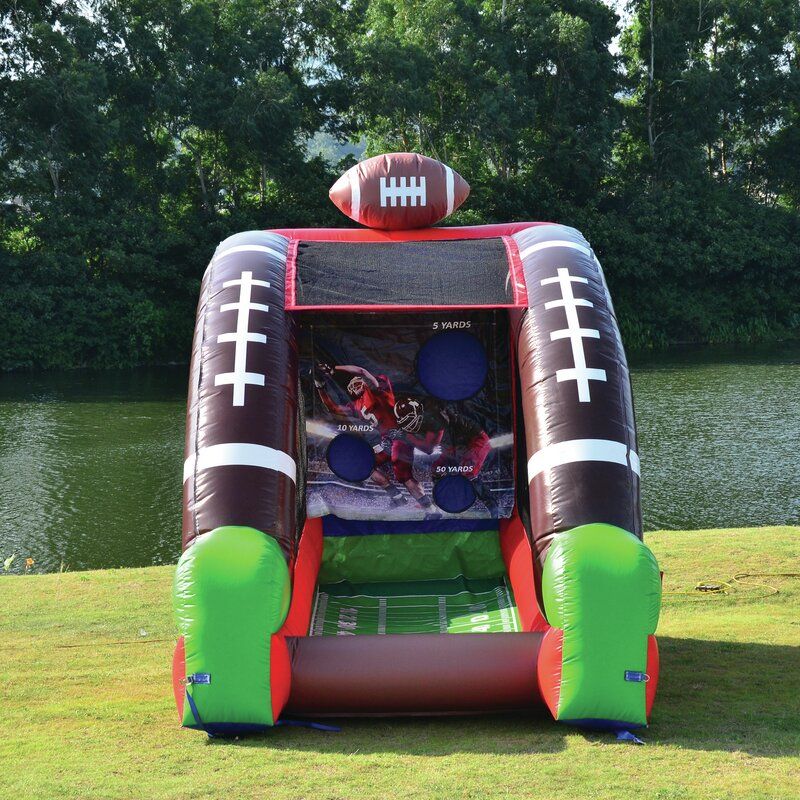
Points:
x=381, y=615
x=442, y=614
x=320, y=609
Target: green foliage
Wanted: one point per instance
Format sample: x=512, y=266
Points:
x=132, y=140
x=135, y=137
x=698, y=262
x=495, y=89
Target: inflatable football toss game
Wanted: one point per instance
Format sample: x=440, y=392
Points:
x=411, y=482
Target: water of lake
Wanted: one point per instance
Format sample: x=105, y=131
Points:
x=91, y=463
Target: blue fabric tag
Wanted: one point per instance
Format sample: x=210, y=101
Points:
x=627, y=736
x=199, y=677
x=632, y=675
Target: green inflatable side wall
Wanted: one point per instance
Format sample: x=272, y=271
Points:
x=602, y=587
x=231, y=593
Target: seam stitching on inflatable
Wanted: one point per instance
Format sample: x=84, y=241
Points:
x=516, y=272
x=290, y=291
x=193, y=454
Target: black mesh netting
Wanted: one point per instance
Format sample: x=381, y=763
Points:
x=442, y=273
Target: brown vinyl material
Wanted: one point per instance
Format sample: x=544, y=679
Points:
x=414, y=673
x=576, y=395
x=241, y=428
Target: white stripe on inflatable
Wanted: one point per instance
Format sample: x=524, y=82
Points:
x=250, y=248
x=580, y=373
x=240, y=378
x=535, y=248
x=240, y=454
x=355, y=197
x=451, y=190
x=577, y=450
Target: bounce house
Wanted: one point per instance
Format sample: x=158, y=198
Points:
x=411, y=482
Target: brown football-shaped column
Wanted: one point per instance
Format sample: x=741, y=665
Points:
x=583, y=464
x=241, y=427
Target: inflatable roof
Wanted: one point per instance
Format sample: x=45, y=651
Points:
x=411, y=482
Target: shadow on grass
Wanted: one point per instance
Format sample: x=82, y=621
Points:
x=717, y=696
x=506, y=734
x=730, y=696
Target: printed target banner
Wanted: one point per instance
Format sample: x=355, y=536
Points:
x=408, y=416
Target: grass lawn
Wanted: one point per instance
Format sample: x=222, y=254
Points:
x=85, y=714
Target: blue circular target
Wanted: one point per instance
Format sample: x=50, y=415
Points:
x=454, y=494
x=350, y=457
x=452, y=365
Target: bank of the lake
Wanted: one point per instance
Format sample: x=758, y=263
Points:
x=91, y=462
x=85, y=684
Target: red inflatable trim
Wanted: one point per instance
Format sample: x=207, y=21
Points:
x=179, y=676
x=304, y=571
x=516, y=272
x=514, y=543
x=652, y=670
x=280, y=674
x=549, y=668
x=398, y=307
x=304, y=581
x=518, y=558
x=417, y=235
x=291, y=274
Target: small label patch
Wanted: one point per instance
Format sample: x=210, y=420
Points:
x=199, y=677
x=639, y=677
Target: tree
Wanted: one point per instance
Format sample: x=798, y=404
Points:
x=136, y=134
x=513, y=91
x=132, y=140
x=714, y=88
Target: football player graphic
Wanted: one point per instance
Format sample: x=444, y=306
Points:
x=464, y=444
x=371, y=398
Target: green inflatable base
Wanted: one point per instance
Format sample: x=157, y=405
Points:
x=231, y=593
x=601, y=586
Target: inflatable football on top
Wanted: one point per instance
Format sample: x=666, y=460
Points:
x=412, y=480
x=399, y=190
